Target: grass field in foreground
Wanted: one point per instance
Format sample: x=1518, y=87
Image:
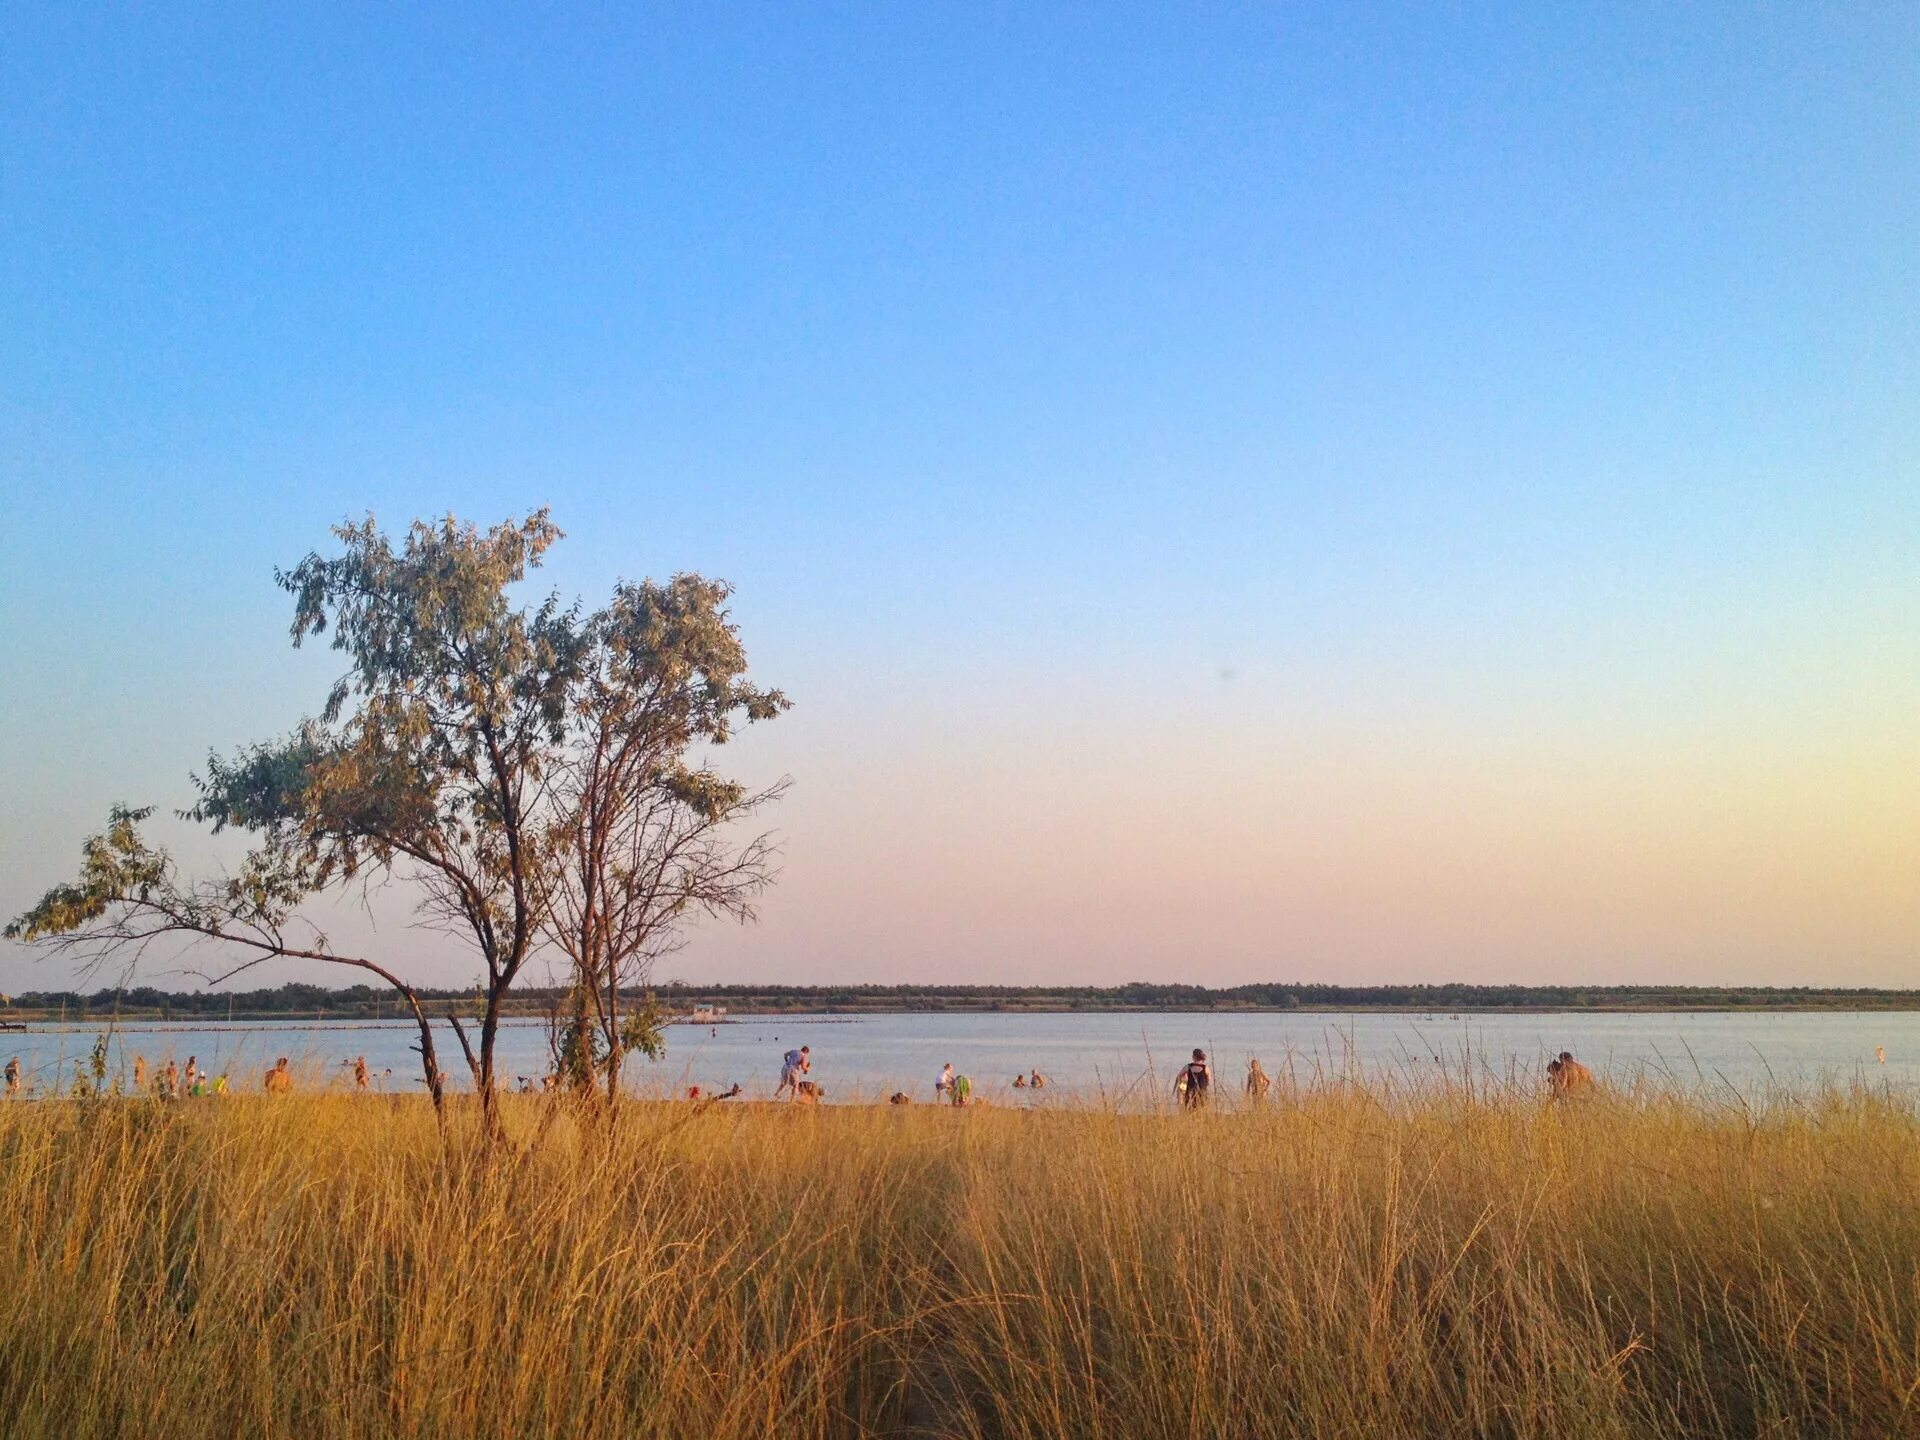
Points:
x=1347, y=1264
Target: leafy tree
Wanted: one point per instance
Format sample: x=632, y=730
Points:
x=640, y=835
x=429, y=760
x=457, y=755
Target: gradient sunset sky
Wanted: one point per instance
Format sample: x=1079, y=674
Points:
x=1234, y=492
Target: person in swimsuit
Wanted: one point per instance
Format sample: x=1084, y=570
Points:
x=1258, y=1082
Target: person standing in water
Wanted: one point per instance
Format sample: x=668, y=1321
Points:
x=793, y=1067
x=13, y=1076
x=943, y=1087
x=360, y=1073
x=1258, y=1082
x=279, y=1080
x=1194, y=1081
x=1567, y=1077
x=140, y=1074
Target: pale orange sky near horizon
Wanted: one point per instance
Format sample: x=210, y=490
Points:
x=1229, y=831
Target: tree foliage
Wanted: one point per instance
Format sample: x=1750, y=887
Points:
x=532, y=775
x=639, y=834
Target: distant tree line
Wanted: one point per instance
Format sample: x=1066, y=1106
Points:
x=1283, y=995
x=366, y=1002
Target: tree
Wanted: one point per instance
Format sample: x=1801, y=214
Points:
x=429, y=759
x=449, y=758
x=640, y=837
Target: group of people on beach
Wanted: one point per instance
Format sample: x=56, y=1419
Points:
x=1193, y=1085
x=171, y=1081
x=951, y=1088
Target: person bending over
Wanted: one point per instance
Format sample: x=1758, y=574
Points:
x=794, y=1066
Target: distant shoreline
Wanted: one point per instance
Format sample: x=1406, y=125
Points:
x=90, y=1020
x=305, y=1003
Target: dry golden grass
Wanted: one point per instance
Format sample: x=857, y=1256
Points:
x=1350, y=1264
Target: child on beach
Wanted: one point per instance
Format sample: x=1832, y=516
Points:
x=279, y=1080
x=943, y=1087
x=13, y=1076
x=1258, y=1082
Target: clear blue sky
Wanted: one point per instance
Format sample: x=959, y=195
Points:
x=1234, y=492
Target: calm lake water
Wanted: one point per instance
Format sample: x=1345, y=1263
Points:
x=1123, y=1058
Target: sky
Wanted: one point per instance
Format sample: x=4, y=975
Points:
x=1234, y=493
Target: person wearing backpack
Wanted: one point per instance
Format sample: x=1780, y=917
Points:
x=1194, y=1081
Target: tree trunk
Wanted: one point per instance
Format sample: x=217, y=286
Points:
x=614, y=1053
x=429, y=1061
x=489, y=1032
x=579, y=1076
x=460, y=1033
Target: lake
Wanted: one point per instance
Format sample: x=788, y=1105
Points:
x=1119, y=1057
